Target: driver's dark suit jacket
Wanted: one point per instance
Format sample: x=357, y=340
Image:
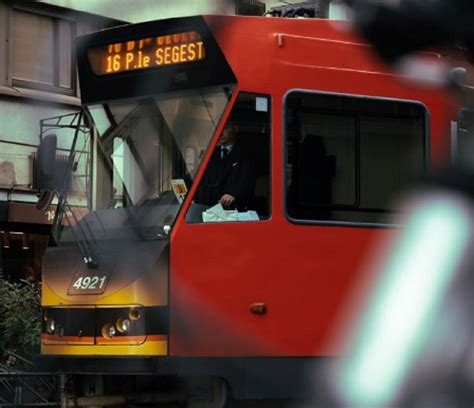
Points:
x=234, y=175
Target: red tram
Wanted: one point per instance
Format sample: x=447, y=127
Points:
x=147, y=280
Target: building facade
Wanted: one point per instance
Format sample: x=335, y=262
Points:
x=38, y=80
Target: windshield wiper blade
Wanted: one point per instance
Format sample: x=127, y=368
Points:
x=88, y=250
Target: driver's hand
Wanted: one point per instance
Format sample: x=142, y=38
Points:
x=227, y=200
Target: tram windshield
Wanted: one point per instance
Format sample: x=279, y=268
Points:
x=144, y=159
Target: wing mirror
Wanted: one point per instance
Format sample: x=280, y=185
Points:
x=46, y=170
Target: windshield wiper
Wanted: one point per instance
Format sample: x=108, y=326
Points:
x=88, y=250
x=84, y=244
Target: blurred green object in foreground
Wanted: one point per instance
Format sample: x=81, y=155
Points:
x=397, y=323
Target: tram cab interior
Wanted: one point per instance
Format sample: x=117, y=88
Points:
x=148, y=144
x=253, y=133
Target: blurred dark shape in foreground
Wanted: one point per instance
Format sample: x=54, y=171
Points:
x=414, y=344
x=397, y=28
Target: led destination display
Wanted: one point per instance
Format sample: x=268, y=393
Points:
x=151, y=52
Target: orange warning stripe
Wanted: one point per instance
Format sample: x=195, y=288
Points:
x=50, y=338
x=55, y=339
x=131, y=339
x=157, y=337
x=121, y=339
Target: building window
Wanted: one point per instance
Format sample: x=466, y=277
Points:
x=41, y=53
x=349, y=157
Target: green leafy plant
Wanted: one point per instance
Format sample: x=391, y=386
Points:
x=20, y=323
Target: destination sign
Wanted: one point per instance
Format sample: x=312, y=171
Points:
x=146, y=53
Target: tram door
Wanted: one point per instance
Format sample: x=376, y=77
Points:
x=213, y=281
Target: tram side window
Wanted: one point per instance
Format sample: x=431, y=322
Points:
x=236, y=183
x=349, y=157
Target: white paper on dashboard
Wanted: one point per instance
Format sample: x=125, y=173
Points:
x=218, y=214
x=248, y=216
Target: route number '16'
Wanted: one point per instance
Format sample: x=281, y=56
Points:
x=90, y=282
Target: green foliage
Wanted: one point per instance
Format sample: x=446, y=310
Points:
x=20, y=321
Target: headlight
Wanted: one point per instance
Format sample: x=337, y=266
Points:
x=134, y=313
x=108, y=331
x=50, y=325
x=123, y=325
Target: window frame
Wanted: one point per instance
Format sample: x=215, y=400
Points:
x=426, y=154
x=30, y=84
x=217, y=134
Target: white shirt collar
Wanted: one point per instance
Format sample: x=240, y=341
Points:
x=228, y=147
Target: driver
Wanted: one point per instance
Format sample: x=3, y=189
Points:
x=230, y=175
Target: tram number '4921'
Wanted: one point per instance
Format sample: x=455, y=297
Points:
x=89, y=282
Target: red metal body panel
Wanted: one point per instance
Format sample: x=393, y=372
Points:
x=303, y=273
